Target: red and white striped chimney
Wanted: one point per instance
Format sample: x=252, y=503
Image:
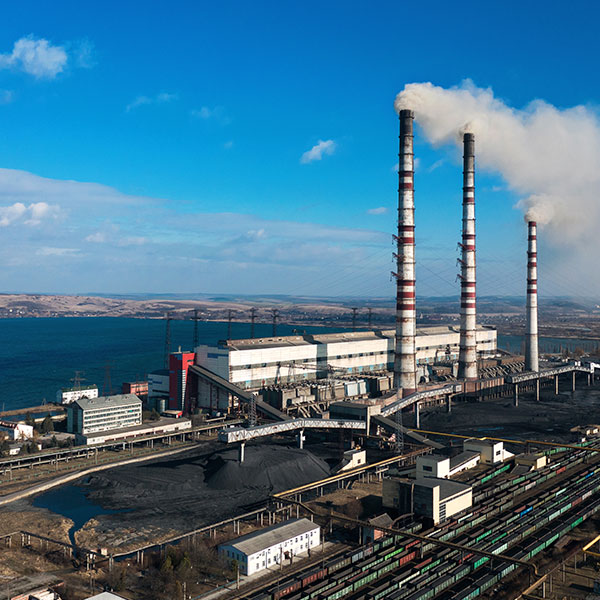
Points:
x=405, y=362
x=467, y=358
x=531, y=336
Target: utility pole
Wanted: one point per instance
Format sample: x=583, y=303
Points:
x=167, y=339
x=275, y=315
x=229, y=316
x=354, y=318
x=196, y=340
x=370, y=317
x=252, y=319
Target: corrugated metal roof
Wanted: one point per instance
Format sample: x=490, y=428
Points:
x=107, y=401
x=271, y=536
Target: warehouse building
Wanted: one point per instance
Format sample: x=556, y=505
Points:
x=254, y=363
x=153, y=428
x=85, y=416
x=432, y=498
x=16, y=430
x=271, y=546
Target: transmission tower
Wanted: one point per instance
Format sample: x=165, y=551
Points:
x=354, y=319
x=252, y=411
x=77, y=380
x=399, y=443
x=229, y=317
x=275, y=315
x=196, y=340
x=167, y=339
x=252, y=319
x=370, y=317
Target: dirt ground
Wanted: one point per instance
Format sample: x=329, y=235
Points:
x=547, y=420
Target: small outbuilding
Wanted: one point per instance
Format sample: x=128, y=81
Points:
x=271, y=546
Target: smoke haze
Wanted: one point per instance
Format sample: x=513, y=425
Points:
x=548, y=156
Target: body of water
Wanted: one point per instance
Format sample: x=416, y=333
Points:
x=40, y=356
x=71, y=501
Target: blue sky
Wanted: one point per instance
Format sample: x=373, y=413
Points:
x=159, y=147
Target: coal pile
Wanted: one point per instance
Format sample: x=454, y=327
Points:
x=269, y=467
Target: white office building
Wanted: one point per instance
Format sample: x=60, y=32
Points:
x=85, y=416
x=271, y=546
x=68, y=395
x=253, y=363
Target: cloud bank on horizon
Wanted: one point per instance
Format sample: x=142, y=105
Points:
x=547, y=155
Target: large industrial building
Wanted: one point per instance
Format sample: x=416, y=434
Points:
x=254, y=363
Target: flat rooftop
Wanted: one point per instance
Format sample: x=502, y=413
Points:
x=462, y=458
x=107, y=401
x=333, y=338
x=448, y=488
x=275, y=534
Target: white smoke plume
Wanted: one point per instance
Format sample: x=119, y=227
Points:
x=548, y=156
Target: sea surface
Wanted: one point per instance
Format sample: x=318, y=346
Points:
x=40, y=356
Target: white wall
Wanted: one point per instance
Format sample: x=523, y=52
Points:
x=271, y=556
x=457, y=504
x=433, y=466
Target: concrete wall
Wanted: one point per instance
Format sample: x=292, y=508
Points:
x=433, y=466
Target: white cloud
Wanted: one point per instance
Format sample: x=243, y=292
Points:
x=33, y=214
x=380, y=210
x=50, y=251
x=161, y=98
x=37, y=57
x=6, y=96
x=216, y=113
x=10, y=214
x=320, y=149
x=228, y=145
x=99, y=237
x=132, y=240
x=84, y=54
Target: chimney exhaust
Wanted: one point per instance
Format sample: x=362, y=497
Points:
x=531, y=338
x=467, y=360
x=405, y=376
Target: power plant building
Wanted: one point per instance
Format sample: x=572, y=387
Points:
x=254, y=363
x=430, y=497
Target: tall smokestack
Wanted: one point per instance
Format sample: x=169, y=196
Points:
x=467, y=360
x=405, y=367
x=531, y=337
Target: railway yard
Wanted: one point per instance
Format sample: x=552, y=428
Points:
x=519, y=529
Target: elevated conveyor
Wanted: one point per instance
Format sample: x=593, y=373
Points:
x=391, y=426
